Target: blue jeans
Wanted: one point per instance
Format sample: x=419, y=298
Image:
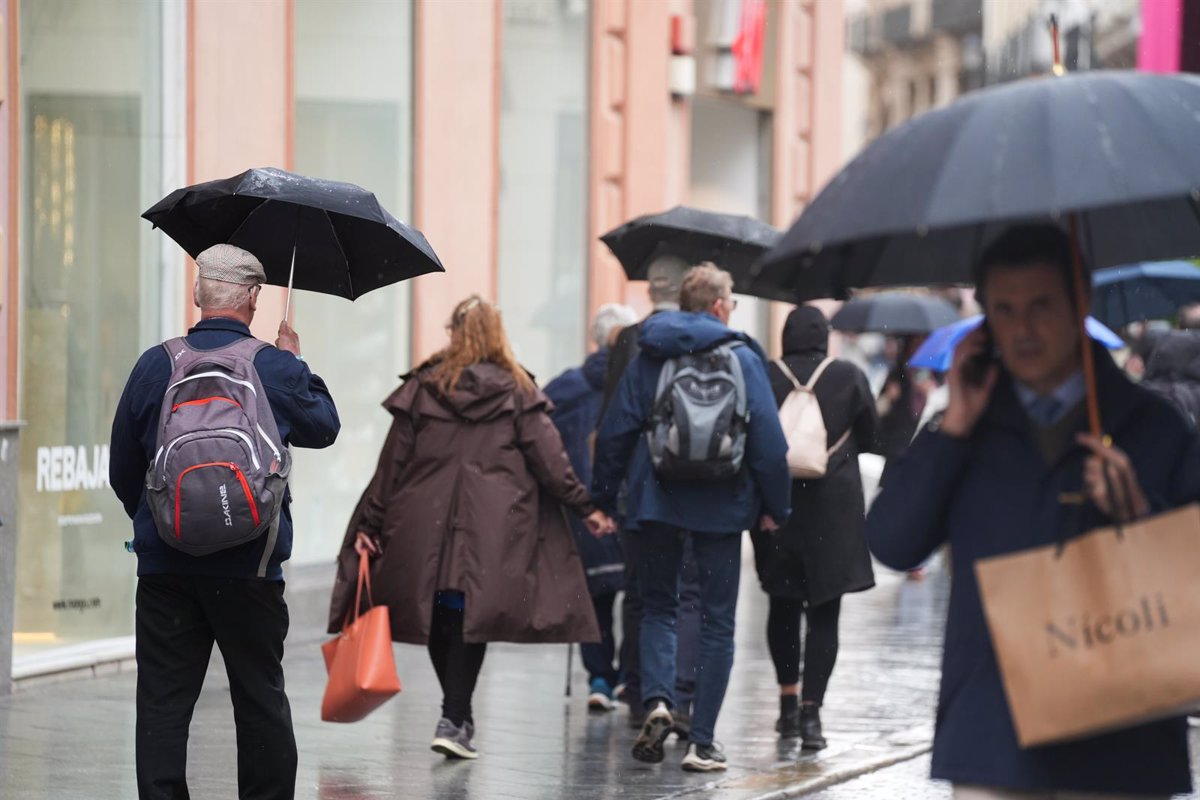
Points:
x=660, y=559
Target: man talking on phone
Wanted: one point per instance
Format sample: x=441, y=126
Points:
x=1010, y=467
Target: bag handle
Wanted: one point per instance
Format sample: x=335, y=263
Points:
x=364, y=579
x=787, y=373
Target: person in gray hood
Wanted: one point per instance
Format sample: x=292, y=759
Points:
x=1173, y=372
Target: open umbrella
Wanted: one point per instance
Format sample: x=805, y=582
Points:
x=1111, y=153
x=1123, y=295
x=732, y=242
x=937, y=352
x=920, y=203
x=895, y=313
x=322, y=236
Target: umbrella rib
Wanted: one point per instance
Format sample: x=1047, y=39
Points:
x=338, y=241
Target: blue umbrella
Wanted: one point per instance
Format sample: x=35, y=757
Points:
x=937, y=352
x=1155, y=290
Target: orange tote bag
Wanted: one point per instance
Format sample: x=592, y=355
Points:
x=360, y=663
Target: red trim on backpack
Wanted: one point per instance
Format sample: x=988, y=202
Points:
x=228, y=464
x=204, y=401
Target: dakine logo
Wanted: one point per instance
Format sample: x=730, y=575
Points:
x=225, y=506
x=1145, y=616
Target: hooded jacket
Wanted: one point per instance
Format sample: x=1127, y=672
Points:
x=1174, y=372
x=622, y=454
x=821, y=553
x=468, y=497
x=577, y=395
x=994, y=493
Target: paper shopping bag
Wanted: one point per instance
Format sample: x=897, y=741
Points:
x=360, y=663
x=1100, y=634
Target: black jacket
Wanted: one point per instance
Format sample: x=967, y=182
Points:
x=821, y=554
x=1174, y=372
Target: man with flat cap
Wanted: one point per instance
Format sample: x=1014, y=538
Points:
x=231, y=596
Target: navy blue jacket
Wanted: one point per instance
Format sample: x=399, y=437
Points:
x=303, y=410
x=994, y=493
x=729, y=506
x=578, y=395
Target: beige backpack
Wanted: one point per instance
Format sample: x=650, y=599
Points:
x=804, y=426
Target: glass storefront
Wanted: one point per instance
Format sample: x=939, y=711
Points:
x=91, y=161
x=353, y=62
x=543, y=182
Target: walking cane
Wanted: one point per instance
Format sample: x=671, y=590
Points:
x=570, y=666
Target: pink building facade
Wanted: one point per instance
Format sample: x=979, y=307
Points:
x=512, y=132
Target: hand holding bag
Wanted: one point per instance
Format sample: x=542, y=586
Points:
x=360, y=663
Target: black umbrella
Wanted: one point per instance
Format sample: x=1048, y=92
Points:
x=322, y=236
x=895, y=314
x=732, y=242
x=918, y=205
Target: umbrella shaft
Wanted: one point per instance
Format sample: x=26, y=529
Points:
x=287, y=309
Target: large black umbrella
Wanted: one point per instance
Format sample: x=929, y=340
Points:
x=918, y=205
x=1111, y=153
x=342, y=240
x=895, y=314
x=732, y=242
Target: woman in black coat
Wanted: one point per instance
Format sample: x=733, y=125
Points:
x=821, y=553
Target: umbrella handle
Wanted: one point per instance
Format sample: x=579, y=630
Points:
x=1081, y=303
x=287, y=309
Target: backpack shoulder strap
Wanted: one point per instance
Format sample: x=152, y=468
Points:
x=787, y=372
x=246, y=347
x=820, y=370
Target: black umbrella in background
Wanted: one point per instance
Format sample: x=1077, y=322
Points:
x=732, y=242
x=313, y=234
x=895, y=314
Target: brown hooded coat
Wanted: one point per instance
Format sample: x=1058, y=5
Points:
x=468, y=496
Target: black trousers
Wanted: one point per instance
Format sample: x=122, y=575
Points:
x=598, y=656
x=820, y=645
x=178, y=620
x=456, y=663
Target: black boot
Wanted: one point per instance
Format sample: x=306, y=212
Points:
x=810, y=727
x=788, y=724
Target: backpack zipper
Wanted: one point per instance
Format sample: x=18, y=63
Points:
x=179, y=492
x=204, y=401
x=239, y=434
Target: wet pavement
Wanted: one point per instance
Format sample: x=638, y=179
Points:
x=74, y=740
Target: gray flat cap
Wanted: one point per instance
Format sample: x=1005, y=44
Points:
x=230, y=264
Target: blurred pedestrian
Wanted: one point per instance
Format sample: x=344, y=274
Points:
x=820, y=553
x=993, y=477
x=1189, y=318
x=232, y=597
x=664, y=277
x=729, y=475
x=577, y=395
x=467, y=495
x=1173, y=371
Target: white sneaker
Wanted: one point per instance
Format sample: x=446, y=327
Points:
x=704, y=758
x=648, y=746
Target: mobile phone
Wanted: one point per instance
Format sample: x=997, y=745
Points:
x=976, y=369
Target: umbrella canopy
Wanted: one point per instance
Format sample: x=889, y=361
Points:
x=937, y=352
x=895, y=313
x=1123, y=295
x=921, y=202
x=732, y=242
x=343, y=241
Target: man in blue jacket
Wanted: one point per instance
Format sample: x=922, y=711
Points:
x=185, y=603
x=577, y=395
x=663, y=513
x=1011, y=467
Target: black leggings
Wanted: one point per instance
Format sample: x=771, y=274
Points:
x=820, y=645
x=457, y=663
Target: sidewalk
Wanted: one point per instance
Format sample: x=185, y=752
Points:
x=74, y=740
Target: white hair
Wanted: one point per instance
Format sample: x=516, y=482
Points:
x=609, y=317
x=211, y=294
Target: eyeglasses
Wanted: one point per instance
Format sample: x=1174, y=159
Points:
x=732, y=302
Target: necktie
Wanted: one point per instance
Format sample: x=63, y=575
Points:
x=1044, y=410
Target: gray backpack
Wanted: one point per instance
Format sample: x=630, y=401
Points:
x=220, y=469
x=699, y=418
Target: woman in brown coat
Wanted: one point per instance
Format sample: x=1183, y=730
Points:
x=464, y=518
